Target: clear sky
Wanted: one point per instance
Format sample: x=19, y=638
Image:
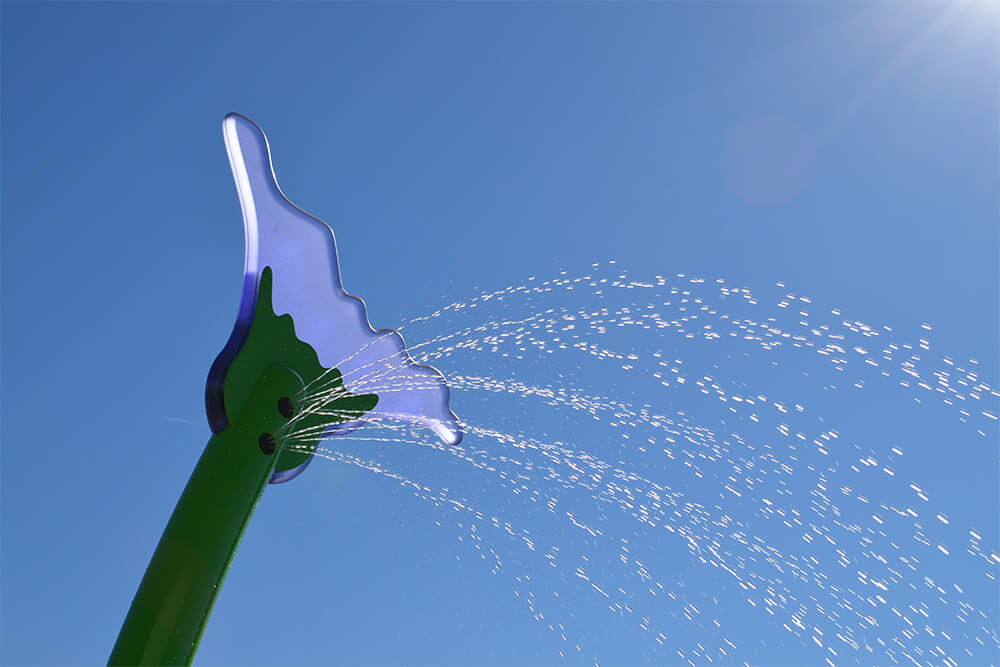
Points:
x=846, y=150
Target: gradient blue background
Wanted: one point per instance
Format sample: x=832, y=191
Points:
x=450, y=147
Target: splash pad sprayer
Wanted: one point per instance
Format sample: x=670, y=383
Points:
x=302, y=364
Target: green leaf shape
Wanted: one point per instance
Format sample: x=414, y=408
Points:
x=272, y=340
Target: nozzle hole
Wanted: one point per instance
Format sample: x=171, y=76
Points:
x=267, y=443
x=286, y=407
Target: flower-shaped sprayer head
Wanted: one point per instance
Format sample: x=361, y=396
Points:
x=295, y=313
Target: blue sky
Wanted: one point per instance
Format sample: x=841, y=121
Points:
x=455, y=148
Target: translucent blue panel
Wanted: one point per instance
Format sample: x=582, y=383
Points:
x=302, y=254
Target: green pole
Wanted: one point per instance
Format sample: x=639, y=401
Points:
x=271, y=390
x=173, y=602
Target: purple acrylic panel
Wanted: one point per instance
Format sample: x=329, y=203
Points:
x=302, y=254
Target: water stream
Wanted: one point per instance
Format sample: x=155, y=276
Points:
x=733, y=475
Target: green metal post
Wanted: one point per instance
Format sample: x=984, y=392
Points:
x=172, y=604
x=263, y=385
